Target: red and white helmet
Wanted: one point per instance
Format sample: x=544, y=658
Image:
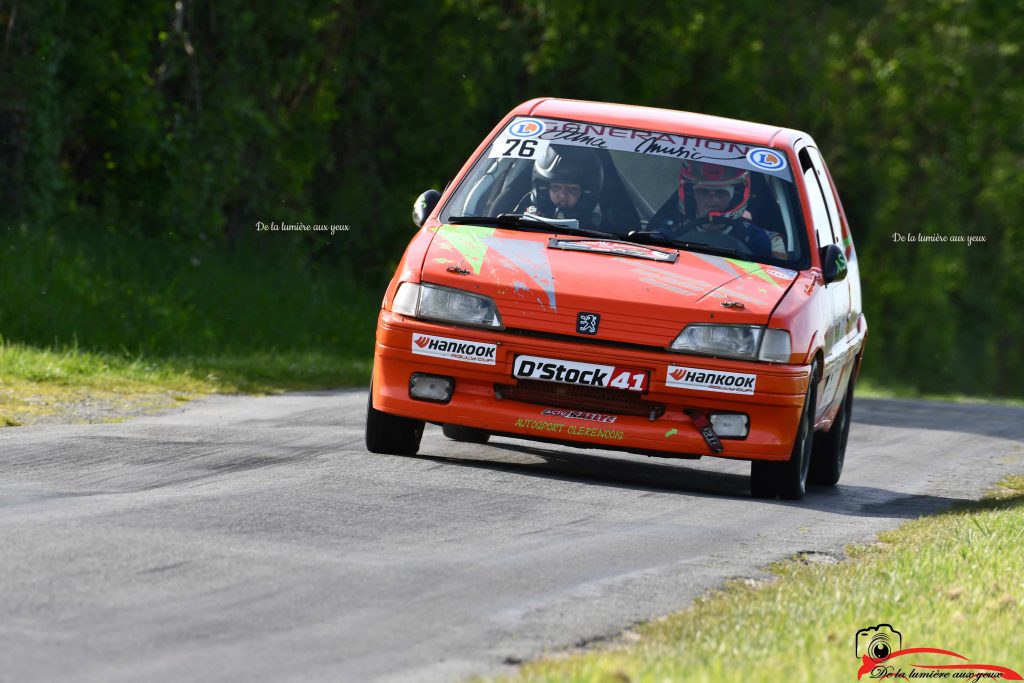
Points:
x=705, y=174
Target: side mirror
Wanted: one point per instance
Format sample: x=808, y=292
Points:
x=423, y=206
x=833, y=263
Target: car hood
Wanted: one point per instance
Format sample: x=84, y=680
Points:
x=542, y=282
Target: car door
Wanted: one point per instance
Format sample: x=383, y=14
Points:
x=836, y=295
x=856, y=325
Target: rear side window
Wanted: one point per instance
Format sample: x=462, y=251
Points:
x=825, y=225
x=826, y=190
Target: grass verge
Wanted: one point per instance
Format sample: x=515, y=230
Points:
x=866, y=388
x=112, y=294
x=953, y=581
x=78, y=386
x=96, y=325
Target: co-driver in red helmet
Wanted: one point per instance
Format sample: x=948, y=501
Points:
x=712, y=209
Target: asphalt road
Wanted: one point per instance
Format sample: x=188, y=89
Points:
x=254, y=539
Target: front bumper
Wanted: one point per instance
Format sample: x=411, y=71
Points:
x=774, y=408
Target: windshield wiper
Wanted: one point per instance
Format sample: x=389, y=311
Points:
x=661, y=239
x=529, y=221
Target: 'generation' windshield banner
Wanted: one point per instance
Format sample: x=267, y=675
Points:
x=528, y=138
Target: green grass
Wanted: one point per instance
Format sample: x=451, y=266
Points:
x=953, y=581
x=110, y=293
x=130, y=324
x=868, y=388
x=36, y=383
x=248, y=373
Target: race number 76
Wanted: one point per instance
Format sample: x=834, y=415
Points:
x=520, y=148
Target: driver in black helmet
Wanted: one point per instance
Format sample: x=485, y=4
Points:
x=712, y=209
x=567, y=183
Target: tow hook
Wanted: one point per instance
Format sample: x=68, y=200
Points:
x=701, y=422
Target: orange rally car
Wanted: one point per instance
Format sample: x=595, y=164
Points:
x=621, y=277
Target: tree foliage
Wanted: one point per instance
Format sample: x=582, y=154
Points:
x=191, y=120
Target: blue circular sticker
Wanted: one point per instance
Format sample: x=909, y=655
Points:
x=526, y=128
x=768, y=159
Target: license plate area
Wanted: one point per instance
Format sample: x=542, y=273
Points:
x=581, y=374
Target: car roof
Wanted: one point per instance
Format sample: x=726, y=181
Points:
x=663, y=120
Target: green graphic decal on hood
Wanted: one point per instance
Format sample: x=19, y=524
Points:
x=469, y=241
x=748, y=267
x=523, y=256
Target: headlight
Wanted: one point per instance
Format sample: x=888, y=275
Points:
x=734, y=341
x=432, y=302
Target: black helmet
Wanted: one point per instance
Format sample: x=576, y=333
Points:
x=570, y=165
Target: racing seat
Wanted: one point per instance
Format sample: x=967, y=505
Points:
x=620, y=214
x=764, y=209
x=516, y=184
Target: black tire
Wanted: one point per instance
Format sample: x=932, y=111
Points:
x=830, y=447
x=465, y=434
x=391, y=434
x=762, y=479
x=788, y=480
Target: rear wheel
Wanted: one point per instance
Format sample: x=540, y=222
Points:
x=391, y=434
x=789, y=479
x=465, y=434
x=830, y=447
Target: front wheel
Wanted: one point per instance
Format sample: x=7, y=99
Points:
x=830, y=447
x=391, y=434
x=788, y=479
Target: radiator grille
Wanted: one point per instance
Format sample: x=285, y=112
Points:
x=592, y=399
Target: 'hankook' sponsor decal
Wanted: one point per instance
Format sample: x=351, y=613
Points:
x=454, y=349
x=580, y=374
x=710, y=380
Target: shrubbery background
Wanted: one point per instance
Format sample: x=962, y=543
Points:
x=173, y=127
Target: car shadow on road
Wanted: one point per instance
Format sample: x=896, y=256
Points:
x=686, y=480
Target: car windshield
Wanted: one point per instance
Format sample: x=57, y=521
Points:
x=692, y=193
